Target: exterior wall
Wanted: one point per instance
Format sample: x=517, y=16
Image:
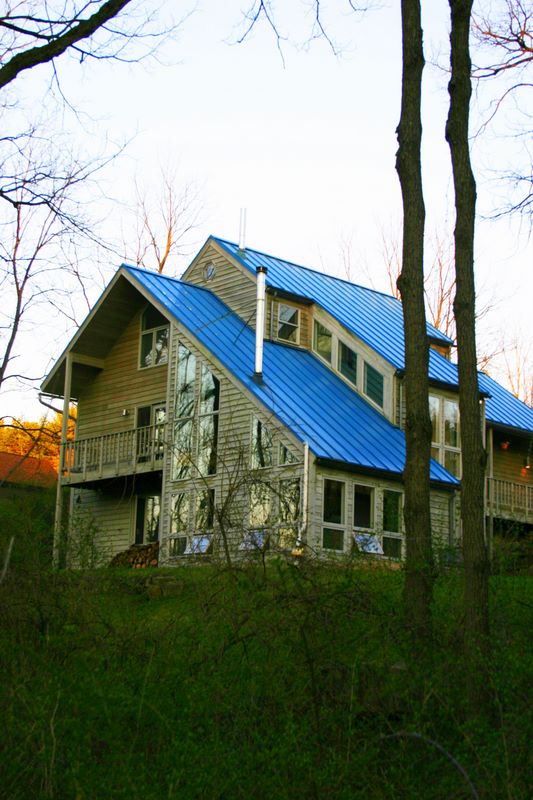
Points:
x=101, y=525
x=234, y=285
x=120, y=385
x=510, y=455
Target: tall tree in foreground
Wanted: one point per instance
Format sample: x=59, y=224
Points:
x=419, y=566
x=475, y=550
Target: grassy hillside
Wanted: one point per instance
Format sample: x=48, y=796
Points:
x=289, y=682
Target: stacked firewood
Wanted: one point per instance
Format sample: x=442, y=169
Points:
x=138, y=556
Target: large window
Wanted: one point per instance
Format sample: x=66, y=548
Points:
x=179, y=523
x=153, y=349
x=363, y=506
x=392, y=524
x=333, y=513
x=262, y=445
x=373, y=384
x=322, y=341
x=201, y=541
x=289, y=512
x=184, y=414
x=348, y=363
x=288, y=323
x=208, y=422
x=445, y=436
x=147, y=519
x=195, y=424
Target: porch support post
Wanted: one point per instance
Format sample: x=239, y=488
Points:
x=490, y=493
x=58, y=527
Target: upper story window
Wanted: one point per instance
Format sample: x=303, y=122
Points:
x=446, y=434
x=373, y=386
x=154, y=338
x=348, y=363
x=288, y=323
x=195, y=419
x=322, y=341
x=262, y=445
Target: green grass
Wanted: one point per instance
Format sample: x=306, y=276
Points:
x=294, y=683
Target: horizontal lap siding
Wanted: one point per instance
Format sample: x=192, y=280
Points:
x=105, y=519
x=120, y=385
x=508, y=465
x=234, y=286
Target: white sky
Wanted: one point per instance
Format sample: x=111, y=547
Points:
x=307, y=147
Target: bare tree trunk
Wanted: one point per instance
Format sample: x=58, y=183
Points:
x=419, y=566
x=476, y=593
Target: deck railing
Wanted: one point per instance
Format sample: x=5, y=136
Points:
x=124, y=453
x=510, y=500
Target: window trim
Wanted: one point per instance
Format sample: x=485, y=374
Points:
x=439, y=448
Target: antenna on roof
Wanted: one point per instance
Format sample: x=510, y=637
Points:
x=242, y=229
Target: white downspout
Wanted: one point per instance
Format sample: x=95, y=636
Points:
x=305, y=494
x=260, y=322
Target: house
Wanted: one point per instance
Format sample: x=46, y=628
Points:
x=210, y=434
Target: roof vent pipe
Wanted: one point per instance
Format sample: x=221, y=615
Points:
x=259, y=322
x=242, y=229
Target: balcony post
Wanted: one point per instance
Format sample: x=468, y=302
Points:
x=58, y=555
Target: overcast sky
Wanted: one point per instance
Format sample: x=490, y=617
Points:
x=306, y=144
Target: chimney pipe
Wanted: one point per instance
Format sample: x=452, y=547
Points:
x=242, y=230
x=259, y=322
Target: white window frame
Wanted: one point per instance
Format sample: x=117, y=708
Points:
x=440, y=448
x=334, y=526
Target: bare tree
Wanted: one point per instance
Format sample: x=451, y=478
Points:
x=505, y=54
x=32, y=34
x=418, y=585
x=163, y=224
x=475, y=551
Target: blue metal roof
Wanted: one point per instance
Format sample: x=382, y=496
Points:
x=306, y=396
x=503, y=408
x=374, y=317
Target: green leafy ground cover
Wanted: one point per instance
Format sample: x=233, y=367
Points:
x=294, y=682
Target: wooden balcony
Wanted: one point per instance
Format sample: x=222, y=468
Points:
x=113, y=454
x=510, y=500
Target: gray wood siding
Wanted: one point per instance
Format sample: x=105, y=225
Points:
x=232, y=284
x=101, y=525
x=120, y=385
x=508, y=464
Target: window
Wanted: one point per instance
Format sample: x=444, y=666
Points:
x=392, y=511
x=150, y=432
x=201, y=542
x=154, y=339
x=262, y=445
x=286, y=456
x=147, y=519
x=363, y=506
x=260, y=505
x=333, y=501
x=322, y=341
x=179, y=523
x=289, y=512
x=392, y=546
x=182, y=451
x=373, y=384
x=333, y=538
x=348, y=363
x=445, y=436
x=208, y=422
x=288, y=323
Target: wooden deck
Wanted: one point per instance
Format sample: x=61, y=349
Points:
x=509, y=500
x=113, y=454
